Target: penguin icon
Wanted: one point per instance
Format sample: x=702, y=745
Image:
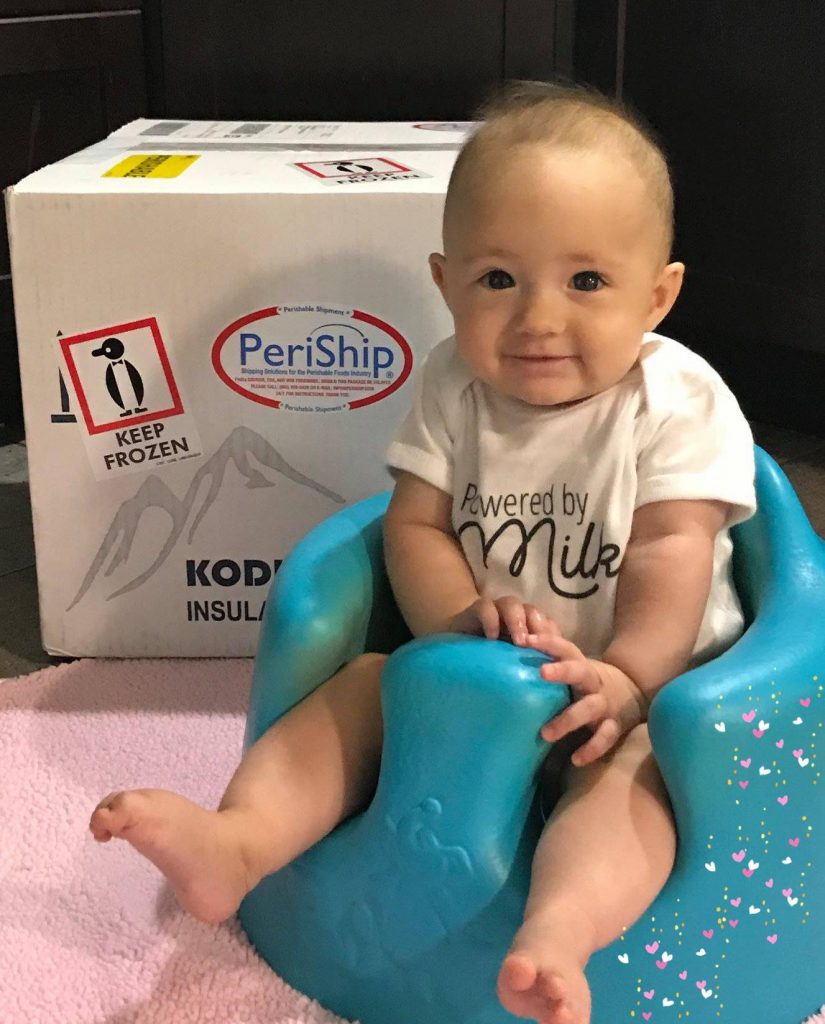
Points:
x=122, y=378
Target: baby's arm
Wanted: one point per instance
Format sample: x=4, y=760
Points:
x=662, y=592
x=430, y=577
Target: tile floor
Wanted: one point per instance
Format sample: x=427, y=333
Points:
x=801, y=456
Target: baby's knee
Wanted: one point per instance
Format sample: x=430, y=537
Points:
x=363, y=673
x=638, y=736
x=369, y=663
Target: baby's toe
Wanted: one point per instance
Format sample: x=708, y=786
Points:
x=518, y=973
x=553, y=986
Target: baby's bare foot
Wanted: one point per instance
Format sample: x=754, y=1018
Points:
x=199, y=851
x=542, y=978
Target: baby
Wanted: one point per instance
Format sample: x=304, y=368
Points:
x=566, y=480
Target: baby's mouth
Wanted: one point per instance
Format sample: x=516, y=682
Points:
x=541, y=358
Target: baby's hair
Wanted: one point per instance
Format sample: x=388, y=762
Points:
x=567, y=115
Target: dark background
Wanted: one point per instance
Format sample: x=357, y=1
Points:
x=735, y=91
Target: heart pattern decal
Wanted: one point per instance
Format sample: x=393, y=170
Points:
x=757, y=869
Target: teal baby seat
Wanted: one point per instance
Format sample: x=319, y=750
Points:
x=403, y=914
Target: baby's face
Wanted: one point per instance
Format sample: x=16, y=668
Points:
x=551, y=274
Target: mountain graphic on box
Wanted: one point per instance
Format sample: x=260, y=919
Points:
x=241, y=445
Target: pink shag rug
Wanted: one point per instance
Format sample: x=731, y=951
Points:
x=91, y=933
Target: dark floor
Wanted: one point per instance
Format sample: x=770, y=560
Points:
x=801, y=456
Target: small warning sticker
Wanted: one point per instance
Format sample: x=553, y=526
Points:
x=359, y=170
x=152, y=165
x=129, y=399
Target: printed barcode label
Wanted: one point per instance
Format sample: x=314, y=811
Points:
x=165, y=128
x=248, y=129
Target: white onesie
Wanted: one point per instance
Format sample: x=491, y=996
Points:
x=543, y=498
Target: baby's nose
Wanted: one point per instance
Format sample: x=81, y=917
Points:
x=541, y=312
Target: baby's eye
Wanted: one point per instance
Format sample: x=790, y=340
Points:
x=587, y=281
x=498, y=279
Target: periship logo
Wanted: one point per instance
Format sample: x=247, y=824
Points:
x=312, y=358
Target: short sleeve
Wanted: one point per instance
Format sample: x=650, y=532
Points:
x=424, y=442
x=701, y=448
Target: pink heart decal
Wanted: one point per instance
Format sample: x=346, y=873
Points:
x=733, y=924
x=804, y=701
x=736, y=902
x=701, y=984
x=661, y=964
x=758, y=733
x=769, y=883
x=772, y=939
x=738, y=856
x=787, y=892
x=747, y=872
x=650, y=994
x=748, y=716
x=647, y=1015
x=746, y=763
x=780, y=744
x=782, y=800
x=652, y=947
x=683, y=975
x=794, y=842
x=798, y=753
x=744, y=785
x=708, y=934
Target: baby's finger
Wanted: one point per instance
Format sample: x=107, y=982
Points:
x=512, y=613
x=539, y=623
x=548, y=643
x=488, y=616
x=569, y=673
x=587, y=711
x=602, y=740
x=556, y=645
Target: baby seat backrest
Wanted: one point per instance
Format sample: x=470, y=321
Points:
x=772, y=548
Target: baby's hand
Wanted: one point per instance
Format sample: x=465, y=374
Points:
x=502, y=617
x=606, y=700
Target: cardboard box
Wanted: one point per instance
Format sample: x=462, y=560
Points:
x=218, y=337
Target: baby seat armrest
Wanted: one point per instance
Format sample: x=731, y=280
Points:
x=330, y=602
x=463, y=715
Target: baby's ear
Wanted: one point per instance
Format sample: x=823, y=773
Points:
x=438, y=264
x=665, y=292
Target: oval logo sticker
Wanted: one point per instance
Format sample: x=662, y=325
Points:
x=312, y=358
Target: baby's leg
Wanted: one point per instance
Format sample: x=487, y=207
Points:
x=314, y=767
x=604, y=855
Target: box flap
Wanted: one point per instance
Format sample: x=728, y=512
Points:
x=122, y=164
x=302, y=134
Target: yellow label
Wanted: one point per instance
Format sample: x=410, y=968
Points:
x=151, y=165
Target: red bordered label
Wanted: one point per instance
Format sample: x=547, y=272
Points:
x=358, y=169
x=130, y=403
x=312, y=357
